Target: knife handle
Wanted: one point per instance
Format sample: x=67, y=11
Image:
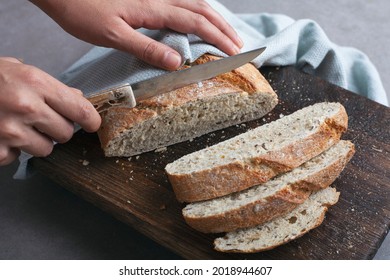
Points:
x=118, y=96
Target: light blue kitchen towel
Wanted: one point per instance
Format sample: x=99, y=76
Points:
x=301, y=43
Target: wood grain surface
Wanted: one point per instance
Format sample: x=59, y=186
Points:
x=136, y=190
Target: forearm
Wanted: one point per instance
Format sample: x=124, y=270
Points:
x=56, y=9
x=48, y=6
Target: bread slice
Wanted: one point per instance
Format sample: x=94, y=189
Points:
x=258, y=155
x=302, y=219
x=238, y=96
x=262, y=203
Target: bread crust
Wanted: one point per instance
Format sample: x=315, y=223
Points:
x=236, y=176
x=117, y=121
x=266, y=209
x=252, y=214
x=245, y=77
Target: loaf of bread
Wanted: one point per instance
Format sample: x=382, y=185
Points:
x=258, y=155
x=262, y=203
x=235, y=97
x=292, y=225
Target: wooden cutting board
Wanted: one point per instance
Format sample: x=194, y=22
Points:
x=136, y=190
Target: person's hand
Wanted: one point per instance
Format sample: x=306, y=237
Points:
x=36, y=109
x=113, y=23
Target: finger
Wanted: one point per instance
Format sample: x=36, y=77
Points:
x=66, y=101
x=203, y=8
x=185, y=21
x=162, y=56
x=54, y=125
x=70, y=103
x=11, y=59
x=147, y=49
x=8, y=155
x=76, y=91
x=35, y=143
x=77, y=109
x=25, y=138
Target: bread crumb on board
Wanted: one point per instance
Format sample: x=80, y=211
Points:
x=84, y=162
x=160, y=150
x=376, y=149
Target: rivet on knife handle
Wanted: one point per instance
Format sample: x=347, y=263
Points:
x=118, y=96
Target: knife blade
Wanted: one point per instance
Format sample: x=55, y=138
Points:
x=128, y=95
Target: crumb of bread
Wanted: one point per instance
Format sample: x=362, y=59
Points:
x=376, y=149
x=160, y=150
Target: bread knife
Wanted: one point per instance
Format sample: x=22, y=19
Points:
x=127, y=95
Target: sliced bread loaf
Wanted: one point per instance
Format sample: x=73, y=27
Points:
x=274, y=198
x=302, y=219
x=235, y=97
x=258, y=155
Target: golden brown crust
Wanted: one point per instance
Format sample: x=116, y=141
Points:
x=245, y=77
x=251, y=214
x=237, y=176
x=216, y=182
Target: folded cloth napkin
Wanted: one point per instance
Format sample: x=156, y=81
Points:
x=301, y=43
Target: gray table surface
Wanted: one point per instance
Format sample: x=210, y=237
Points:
x=41, y=220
